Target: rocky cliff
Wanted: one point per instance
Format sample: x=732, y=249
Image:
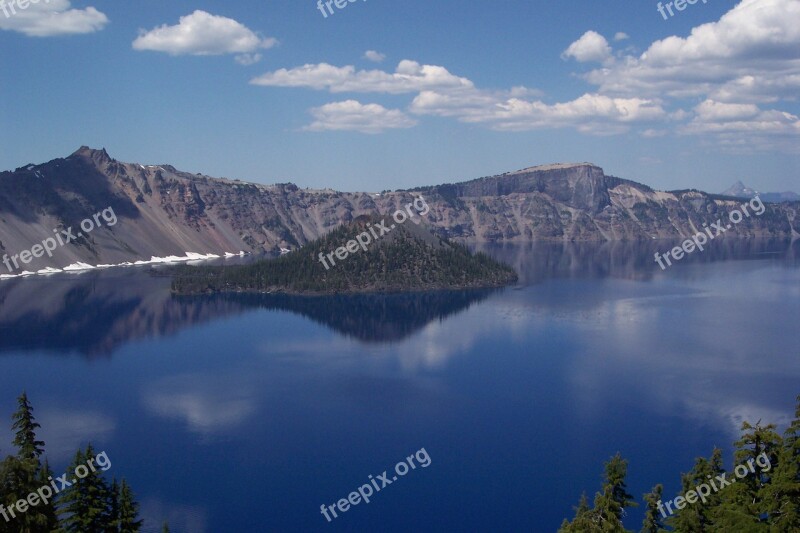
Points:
x=162, y=211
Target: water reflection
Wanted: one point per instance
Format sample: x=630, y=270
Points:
x=633, y=260
x=97, y=312
x=597, y=351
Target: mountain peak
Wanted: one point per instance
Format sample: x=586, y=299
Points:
x=97, y=156
x=740, y=190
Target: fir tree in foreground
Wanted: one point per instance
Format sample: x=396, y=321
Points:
x=652, y=517
x=90, y=505
x=765, y=497
x=609, y=504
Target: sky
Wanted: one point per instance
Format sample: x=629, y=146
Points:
x=387, y=95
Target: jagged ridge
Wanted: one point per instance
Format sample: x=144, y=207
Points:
x=164, y=211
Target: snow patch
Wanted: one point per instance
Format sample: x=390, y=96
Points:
x=78, y=267
x=190, y=257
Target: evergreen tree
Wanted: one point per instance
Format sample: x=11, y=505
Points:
x=697, y=516
x=165, y=528
x=23, y=473
x=25, y=426
x=616, y=471
x=113, y=510
x=48, y=511
x=761, y=494
x=652, y=515
x=584, y=519
x=782, y=495
x=607, y=512
x=15, y=474
x=609, y=504
x=742, y=506
x=87, y=503
x=128, y=510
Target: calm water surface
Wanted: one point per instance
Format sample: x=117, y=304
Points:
x=237, y=414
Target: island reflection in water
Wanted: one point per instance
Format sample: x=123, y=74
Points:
x=96, y=312
x=596, y=351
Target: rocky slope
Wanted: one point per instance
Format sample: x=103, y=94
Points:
x=162, y=211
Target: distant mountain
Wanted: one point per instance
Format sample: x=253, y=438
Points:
x=162, y=211
x=740, y=190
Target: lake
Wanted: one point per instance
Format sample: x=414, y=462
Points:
x=247, y=413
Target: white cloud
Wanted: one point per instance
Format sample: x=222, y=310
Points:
x=745, y=128
x=590, y=113
x=713, y=117
x=375, y=57
x=735, y=66
x=711, y=110
x=591, y=47
x=48, y=19
x=248, y=59
x=621, y=36
x=351, y=115
x=750, y=53
x=204, y=34
x=443, y=94
x=409, y=77
x=653, y=133
x=750, y=57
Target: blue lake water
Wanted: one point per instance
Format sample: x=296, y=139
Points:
x=247, y=413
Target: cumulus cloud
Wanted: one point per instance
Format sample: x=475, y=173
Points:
x=53, y=18
x=711, y=110
x=738, y=65
x=741, y=68
x=204, y=34
x=442, y=93
x=717, y=117
x=408, y=77
x=590, y=113
x=750, y=54
x=352, y=115
x=621, y=36
x=591, y=47
x=375, y=57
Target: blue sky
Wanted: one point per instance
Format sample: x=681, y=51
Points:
x=272, y=91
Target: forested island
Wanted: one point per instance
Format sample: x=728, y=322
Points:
x=761, y=492
x=397, y=258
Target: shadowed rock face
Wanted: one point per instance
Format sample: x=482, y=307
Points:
x=162, y=211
